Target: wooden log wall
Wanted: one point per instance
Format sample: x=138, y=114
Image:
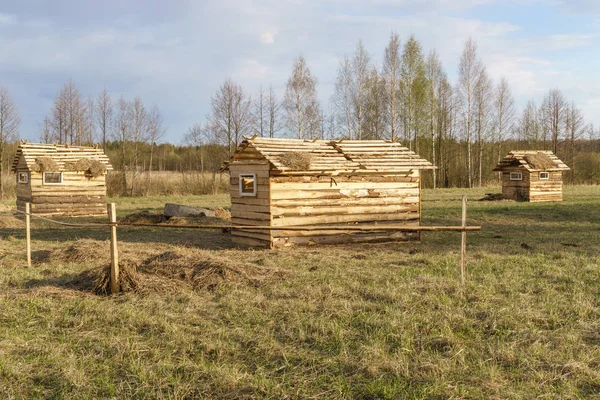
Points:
x=77, y=195
x=545, y=189
x=532, y=188
x=322, y=200
x=515, y=190
x=250, y=210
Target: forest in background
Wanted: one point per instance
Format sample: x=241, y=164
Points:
x=462, y=127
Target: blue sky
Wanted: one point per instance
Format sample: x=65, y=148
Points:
x=176, y=53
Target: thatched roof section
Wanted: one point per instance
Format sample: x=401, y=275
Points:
x=61, y=157
x=329, y=156
x=532, y=160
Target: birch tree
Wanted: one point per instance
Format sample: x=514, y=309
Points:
x=483, y=105
x=104, y=115
x=504, y=114
x=391, y=75
x=468, y=72
x=156, y=131
x=302, y=110
x=123, y=127
x=230, y=116
x=273, y=113
x=413, y=92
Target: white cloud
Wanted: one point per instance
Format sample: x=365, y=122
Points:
x=268, y=37
x=251, y=70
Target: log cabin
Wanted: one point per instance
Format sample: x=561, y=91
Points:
x=291, y=182
x=532, y=175
x=61, y=179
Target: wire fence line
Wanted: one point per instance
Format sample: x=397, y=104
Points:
x=113, y=224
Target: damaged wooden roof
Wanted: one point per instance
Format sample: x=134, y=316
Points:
x=532, y=160
x=61, y=154
x=330, y=156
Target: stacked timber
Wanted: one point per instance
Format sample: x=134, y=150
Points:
x=48, y=177
x=333, y=183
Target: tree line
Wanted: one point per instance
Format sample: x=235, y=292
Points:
x=463, y=127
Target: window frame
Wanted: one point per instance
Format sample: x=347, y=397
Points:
x=25, y=181
x=254, y=185
x=52, y=183
x=519, y=174
x=546, y=176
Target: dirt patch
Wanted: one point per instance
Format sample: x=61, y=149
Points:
x=143, y=217
x=492, y=197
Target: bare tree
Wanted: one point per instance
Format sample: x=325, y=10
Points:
x=156, y=131
x=554, y=109
x=504, y=115
x=434, y=76
x=360, y=74
x=123, y=129
x=302, y=111
x=574, y=128
x=342, y=96
x=468, y=72
x=230, y=116
x=528, y=124
x=391, y=75
x=483, y=106
x=273, y=113
x=139, y=136
x=9, y=127
x=259, y=113
x=104, y=115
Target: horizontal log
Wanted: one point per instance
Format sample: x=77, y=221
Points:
x=346, y=202
x=335, y=210
x=341, y=193
x=333, y=184
x=343, y=238
x=368, y=228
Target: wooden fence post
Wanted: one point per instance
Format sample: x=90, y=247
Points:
x=114, y=251
x=28, y=231
x=463, y=246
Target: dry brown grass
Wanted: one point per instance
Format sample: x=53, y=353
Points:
x=94, y=167
x=296, y=160
x=539, y=161
x=44, y=164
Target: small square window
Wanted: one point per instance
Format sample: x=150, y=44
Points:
x=22, y=177
x=248, y=185
x=516, y=176
x=52, y=178
x=544, y=175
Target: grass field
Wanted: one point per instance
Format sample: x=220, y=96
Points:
x=363, y=321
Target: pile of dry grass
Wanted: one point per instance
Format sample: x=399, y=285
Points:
x=539, y=161
x=296, y=160
x=128, y=279
x=203, y=270
x=45, y=164
x=80, y=251
x=91, y=167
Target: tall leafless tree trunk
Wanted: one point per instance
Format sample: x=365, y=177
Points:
x=391, y=74
x=104, y=115
x=468, y=71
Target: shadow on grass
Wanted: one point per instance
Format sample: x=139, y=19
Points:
x=81, y=282
x=213, y=239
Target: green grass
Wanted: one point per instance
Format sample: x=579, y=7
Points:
x=363, y=321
